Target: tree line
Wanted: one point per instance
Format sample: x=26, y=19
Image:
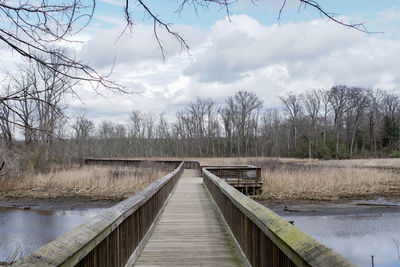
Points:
x=341, y=122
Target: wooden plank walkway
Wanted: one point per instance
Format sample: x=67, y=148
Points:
x=190, y=231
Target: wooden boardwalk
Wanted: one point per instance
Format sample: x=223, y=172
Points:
x=190, y=231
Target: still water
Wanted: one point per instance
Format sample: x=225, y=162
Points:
x=353, y=232
x=357, y=237
x=34, y=228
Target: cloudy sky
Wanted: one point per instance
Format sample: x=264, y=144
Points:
x=253, y=51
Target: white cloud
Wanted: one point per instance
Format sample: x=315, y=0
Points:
x=108, y=45
x=243, y=55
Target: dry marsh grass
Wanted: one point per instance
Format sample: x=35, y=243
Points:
x=94, y=182
x=384, y=162
x=283, y=179
x=328, y=183
x=286, y=178
x=291, y=178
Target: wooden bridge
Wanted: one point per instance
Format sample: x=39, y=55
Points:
x=190, y=217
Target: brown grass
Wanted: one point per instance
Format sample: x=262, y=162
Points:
x=328, y=183
x=384, y=162
x=94, y=182
x=283, y=179
x=286, y=178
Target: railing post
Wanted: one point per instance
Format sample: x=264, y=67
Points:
x=239, y=175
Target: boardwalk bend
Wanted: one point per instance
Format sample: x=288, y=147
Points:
x=195, y=216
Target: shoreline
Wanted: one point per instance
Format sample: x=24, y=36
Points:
x=79, y=195
x=333, y=207
x=283, y=207
x=54, y=204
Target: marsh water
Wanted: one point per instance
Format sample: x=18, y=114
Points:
x=356, y=230
x=30, y=226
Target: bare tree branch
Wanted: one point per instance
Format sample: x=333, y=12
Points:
x=330, y=16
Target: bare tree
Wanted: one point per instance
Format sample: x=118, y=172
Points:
x=244, y=108
x=390, y=107
x=358, y=103
x=312, y=104
x=83, y=129
x=195, y=119
x=21, y=102
x=271, y=133
x=227, y=114
x=373, y=120
x=49, y=89
x=163, y=135
x=339, y=96
x=6, y=126
x=294, y=109
x=325, y=98
x=200, y=119
x=212, y=128
x=34, y=98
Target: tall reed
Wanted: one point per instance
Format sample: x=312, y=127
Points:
x=87, y=181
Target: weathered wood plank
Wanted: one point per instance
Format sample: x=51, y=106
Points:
x=190, y=232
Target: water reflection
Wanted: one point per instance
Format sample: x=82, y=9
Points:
x=35, y=228
x=357, y=237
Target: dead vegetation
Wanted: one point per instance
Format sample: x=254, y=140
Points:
x=328, y=183
x=286, y=179
x=91, y=182
x=372, y=163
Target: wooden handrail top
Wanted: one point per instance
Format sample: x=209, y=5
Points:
x=230, y=167
x=130, y=160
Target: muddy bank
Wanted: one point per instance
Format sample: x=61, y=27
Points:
x=337, y=207
x=71, y=195
x=56, y=204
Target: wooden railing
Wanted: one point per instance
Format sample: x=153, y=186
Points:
x=142, y=163
x=245, y=178
x=112, y=238
x=191, y=164
x=265, y=238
